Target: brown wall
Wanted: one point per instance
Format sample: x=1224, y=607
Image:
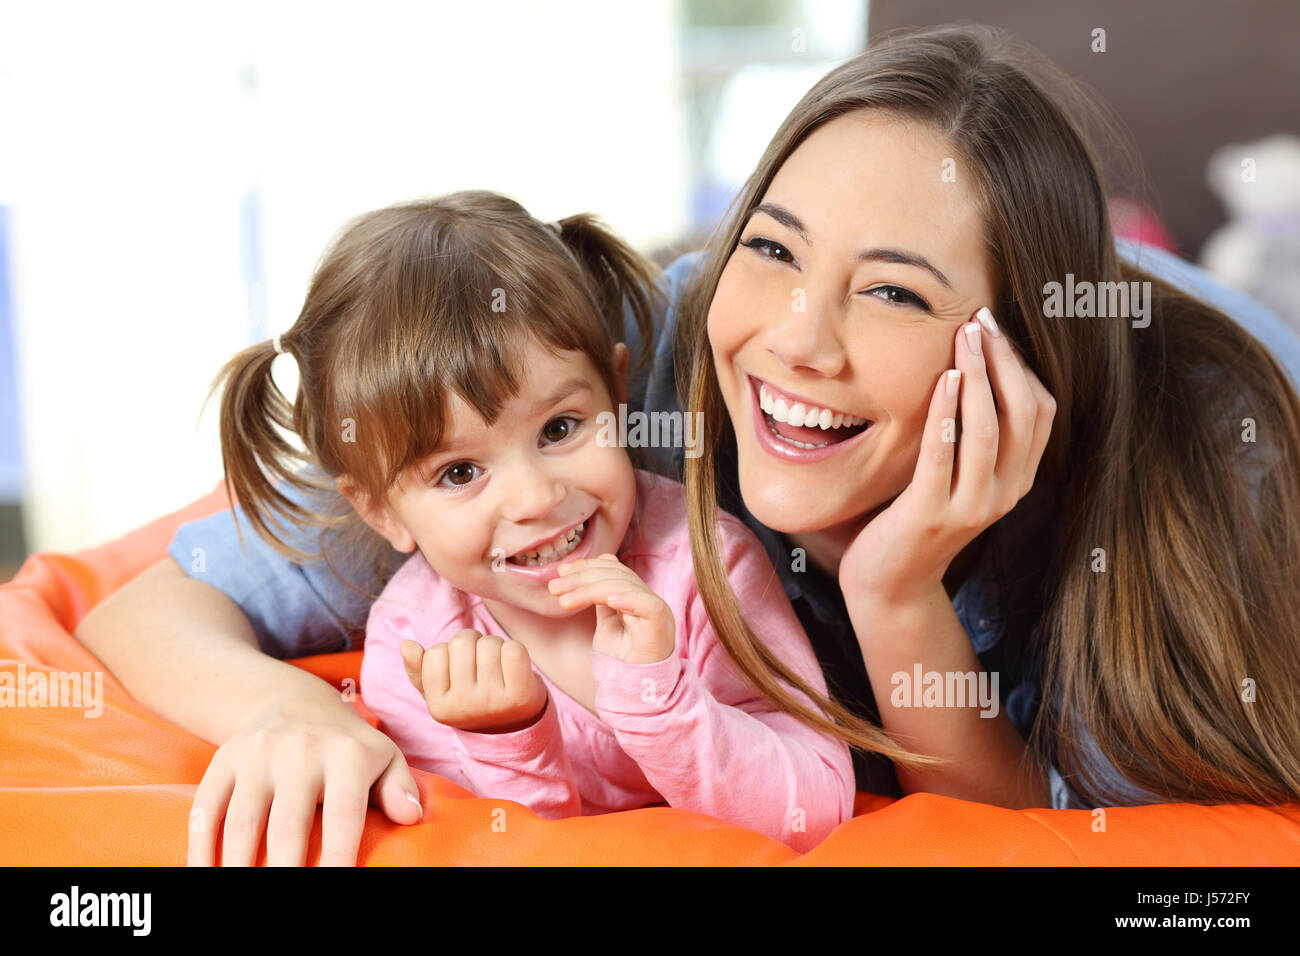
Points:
x=1186, y=77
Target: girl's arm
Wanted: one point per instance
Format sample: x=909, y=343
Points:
x=287, y=740
x=704, y=739
x=892, y=573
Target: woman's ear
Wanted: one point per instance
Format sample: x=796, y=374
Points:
x=620, y=372
x=380, y=517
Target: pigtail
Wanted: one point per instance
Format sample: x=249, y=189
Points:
x=618, y=274
x=254, y=451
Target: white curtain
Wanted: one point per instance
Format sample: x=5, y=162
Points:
x=176, y=170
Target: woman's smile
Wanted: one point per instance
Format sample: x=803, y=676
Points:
x=798, y=429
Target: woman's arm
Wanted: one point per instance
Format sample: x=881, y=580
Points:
x=892, y=573
x=987, y=761
x=186, y=651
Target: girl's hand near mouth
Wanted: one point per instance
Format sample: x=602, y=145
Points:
x=633, y=624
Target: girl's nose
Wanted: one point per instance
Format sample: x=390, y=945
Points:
x=531, y=493
x=808, y=340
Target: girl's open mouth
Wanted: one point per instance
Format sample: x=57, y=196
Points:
x=798, y=430
x=540, y=562
x=552, y=551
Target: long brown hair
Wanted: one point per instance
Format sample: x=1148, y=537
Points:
x=408, y=304
x=1180, y=661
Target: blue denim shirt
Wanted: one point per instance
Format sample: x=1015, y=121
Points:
x=304, y=609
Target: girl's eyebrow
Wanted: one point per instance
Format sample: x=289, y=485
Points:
x=566, y=388
x=900, y=256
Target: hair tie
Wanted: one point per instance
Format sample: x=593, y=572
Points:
x=275, y=343
x=557, y=227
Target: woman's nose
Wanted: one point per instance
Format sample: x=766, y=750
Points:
x=807, y=339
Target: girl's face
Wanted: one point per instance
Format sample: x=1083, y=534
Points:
x=839, y=307
x=498, y=507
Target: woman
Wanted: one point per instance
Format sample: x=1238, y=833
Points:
x=1129, y=596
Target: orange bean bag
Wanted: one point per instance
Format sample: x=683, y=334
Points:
x=116, y=789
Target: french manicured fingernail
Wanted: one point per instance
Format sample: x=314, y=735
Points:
x=986, y=320
x=973, y=337
x=415, y=800
x=954, y=380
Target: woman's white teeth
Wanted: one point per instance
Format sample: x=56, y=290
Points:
x=552, y=550
x=806, y=416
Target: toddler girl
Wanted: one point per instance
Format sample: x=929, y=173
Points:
x=460, y=367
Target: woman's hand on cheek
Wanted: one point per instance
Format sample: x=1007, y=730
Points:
x=977, y=460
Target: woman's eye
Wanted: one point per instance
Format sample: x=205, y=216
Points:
x=558, y=429
x=461, y=473
x=769, y=249
x=896, y=295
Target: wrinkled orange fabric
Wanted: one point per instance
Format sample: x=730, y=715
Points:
x=116, y=789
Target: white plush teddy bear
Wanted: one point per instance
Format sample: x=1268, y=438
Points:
x=1258, y=251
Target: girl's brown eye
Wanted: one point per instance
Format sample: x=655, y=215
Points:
x=558, y=429
x=461, y=473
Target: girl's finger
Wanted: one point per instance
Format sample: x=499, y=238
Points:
x=413, y=660
x=645, y=605
x=978, y=451
x=597, y=592
x=462, y=654
x=932, y=480
x=516, y=666
x=435, y=676
x=245, y=818
x=208, y=810
x=604, y=560
x=293, y=811
x=576, y=579
x=488, y=663
x=343, y=807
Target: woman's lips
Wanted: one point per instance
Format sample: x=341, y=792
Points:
x=799, y=444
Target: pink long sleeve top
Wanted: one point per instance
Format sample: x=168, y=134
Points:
x=685, y=731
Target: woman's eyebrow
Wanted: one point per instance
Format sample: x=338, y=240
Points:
x=785, y=217
x=788, y=219
x=904, y=259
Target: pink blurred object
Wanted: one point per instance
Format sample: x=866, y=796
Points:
x=1137, y=221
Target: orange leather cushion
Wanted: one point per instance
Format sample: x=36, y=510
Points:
x=116, y=789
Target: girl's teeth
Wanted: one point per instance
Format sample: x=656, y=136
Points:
x=804, y=415
x=552, y=550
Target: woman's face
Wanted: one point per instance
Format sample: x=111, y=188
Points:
x=843, y=296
